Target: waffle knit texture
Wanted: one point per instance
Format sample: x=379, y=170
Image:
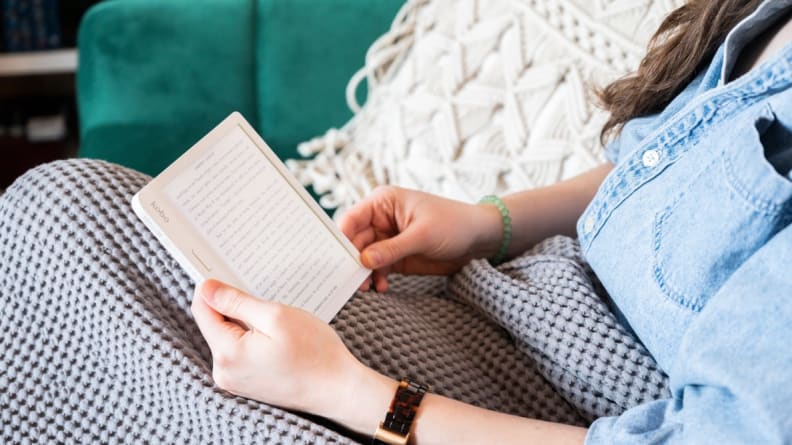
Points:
x=475, y=97
x=97, y=343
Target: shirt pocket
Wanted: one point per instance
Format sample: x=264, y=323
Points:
x=723, y=214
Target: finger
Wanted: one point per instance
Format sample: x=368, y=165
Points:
x=367, y=212
x=364, y=238
x=390, y=250
x=238, y=305
x=220, y=334
x=356, y=219
x=381, y=280
x=366, y=285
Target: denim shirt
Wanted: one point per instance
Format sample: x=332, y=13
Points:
x=691, y=236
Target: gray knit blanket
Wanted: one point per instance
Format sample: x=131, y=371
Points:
x=99, y=346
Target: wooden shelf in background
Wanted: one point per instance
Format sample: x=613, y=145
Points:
x=57, y=61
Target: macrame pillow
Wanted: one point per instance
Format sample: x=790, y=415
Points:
x=471, y=97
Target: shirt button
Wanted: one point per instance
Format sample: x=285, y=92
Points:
x=650, y=158
x=588, y=224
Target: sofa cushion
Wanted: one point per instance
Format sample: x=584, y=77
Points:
x=156, y=76
x=306, y=52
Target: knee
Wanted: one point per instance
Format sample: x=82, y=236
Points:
x=76, y=178
x=70, y=191
x=77, y=172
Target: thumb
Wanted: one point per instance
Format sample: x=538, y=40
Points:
x=236, y=304
x=388, y=251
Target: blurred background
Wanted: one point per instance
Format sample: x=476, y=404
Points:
x=138, y=82
x=38, y=62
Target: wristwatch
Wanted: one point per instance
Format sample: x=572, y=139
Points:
x=395, y=429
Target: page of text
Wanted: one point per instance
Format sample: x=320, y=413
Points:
x=253, y=219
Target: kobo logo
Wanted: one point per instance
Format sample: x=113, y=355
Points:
x=160, y=211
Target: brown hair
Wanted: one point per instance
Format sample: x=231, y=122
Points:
x=682, y=46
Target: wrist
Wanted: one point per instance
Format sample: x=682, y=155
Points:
x=488, y=230
x=366, y=396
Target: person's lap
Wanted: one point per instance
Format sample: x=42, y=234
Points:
x=98, y=337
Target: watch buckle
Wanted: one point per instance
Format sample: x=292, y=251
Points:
x=389, y=437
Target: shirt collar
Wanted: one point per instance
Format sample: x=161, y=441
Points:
x=748, y=29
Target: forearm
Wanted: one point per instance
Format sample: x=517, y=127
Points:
x=442, y=421
x=554, y=210
x=540, y=213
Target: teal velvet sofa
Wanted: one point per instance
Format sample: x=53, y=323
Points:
x=154, y=76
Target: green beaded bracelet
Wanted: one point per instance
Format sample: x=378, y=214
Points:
x=507, y=226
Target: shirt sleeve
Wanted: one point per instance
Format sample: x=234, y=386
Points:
x=732, y=380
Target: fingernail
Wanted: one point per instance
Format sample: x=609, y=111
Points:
x=371, y=259
x=209, y=290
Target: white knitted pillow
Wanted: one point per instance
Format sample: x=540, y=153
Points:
x=471, y=97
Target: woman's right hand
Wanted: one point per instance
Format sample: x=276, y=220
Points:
x=411, y=232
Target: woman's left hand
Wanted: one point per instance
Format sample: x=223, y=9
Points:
x=290, y=358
